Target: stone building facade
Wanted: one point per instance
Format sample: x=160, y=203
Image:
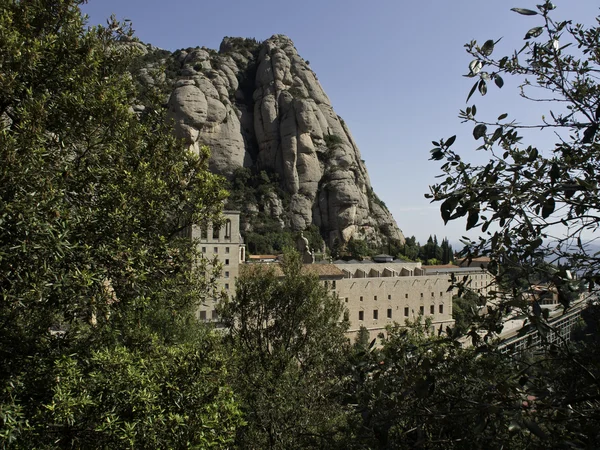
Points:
x=477, y=279
x=223, y=243
x=377, y=294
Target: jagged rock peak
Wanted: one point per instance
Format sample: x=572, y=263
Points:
x=259, y=105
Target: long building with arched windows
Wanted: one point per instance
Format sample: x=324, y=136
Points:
x=376, y=293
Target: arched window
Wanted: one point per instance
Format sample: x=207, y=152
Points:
x=228, y=229
x=215, y=232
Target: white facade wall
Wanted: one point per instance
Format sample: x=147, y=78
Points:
x=224, y=243
x=476, y=279
x=380, y=294
x=380, y=301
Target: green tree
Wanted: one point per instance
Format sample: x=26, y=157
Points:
x=411, y=248
x=419, y=391
x=98, y=289
x=535, y=203
x=532, y=202
x=464, y=308
x=287, y=340
x=447, y=252
x=357, y=249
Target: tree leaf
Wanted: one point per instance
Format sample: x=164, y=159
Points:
x=524, y=12
x=497, y=133
x=554, y=172
x=589, y=134
x=472, y=91
x=534, y=32
x=487, y=48
x=535, y=428
x=447, y=207
x=436, y=154
x=475, y=67
x=502, y=116
x=472, y=218
x=450, y=141
x=482, y=87
x=499, y=81
x=479, y=131
x=548, y=207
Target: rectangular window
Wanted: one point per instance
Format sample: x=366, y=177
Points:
x=346, y=299
x=361, y=298
x=421, y=310
x=215, y=233
x=432, y=294
x=441, y=294
x=226, y=286
x=361, y=315
x=405, y=295
x=406, y=311
x=432, y=309
x=227, y=250
x=333, y=284
x=389, y=296
x=374, y=297
x=226, y=274
x=227, y=262
x=214, y=314
x=228, y=229
x=375, y=314
x=202, y=315
x=346, y=316
x=203, y=249
x=389, y=313
x=216, y=250
x=441, y=309
x=421, y=295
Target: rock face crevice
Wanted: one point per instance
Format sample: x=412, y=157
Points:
x=260, y=106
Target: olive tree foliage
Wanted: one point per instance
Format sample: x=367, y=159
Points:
x=98, y=342
x=419, y=391
x=286, y=334
x=537, y=209
x=532, y=203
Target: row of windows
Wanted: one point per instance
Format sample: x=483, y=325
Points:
x=226, y=286
x=333, y=284
x=216, y=250
x=226, y=262
x=216, y=231
x=390, y=296
x=213, y=315
x=361, y=314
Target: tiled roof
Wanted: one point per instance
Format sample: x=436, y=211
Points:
x=251, y=257
x=474, y=261
x=321, y=270
x=441, y=266
x=433, y=269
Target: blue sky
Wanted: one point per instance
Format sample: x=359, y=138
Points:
x=392, y=70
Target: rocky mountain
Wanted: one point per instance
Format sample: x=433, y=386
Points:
x=259, y=106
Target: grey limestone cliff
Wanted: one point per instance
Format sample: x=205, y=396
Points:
x=260, y=106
